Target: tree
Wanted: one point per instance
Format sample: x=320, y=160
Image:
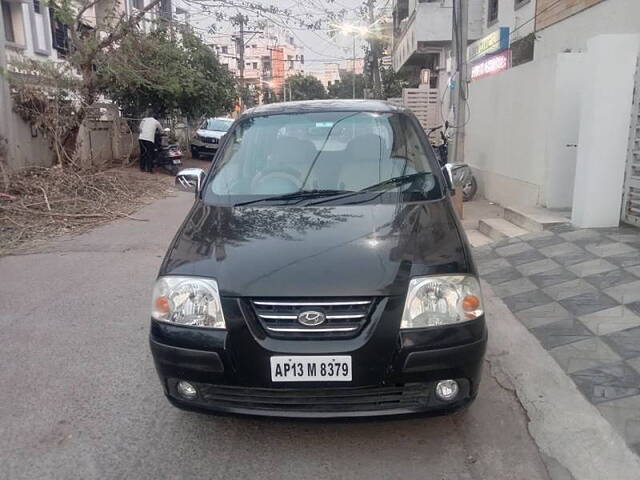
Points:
x=305, y=87
x=168, y=73
x=393, y=83
x=344, y=87
x=268, y=95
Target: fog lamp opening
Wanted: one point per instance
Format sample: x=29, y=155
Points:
x=186, y=390
x=447, y=390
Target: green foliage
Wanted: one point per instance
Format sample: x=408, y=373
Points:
x=344, y=88
x=249, y=95
x=168, y=75
x=268, y=95
x=305, y=87
x=392, y=83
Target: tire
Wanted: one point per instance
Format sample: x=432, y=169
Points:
x=469, y=190
x=195, y=153
x=173, y=169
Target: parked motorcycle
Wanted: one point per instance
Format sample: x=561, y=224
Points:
x=461, y=172
x=169, y=155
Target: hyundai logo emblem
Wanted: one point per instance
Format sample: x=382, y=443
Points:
x=311, y=318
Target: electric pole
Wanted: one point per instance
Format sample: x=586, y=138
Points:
x=353, y=83
x=460, y=93
x=375, y=56
x=240, y=53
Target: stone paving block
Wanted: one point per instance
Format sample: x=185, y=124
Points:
x=526, y=257
x=545, y=241
x=587, y=303
x=561, y=333
x=635, y=270
x=634, y=307
x=634, y=363
x=537, y=267
x=492, y=265
x=513, y=249
x=561, y=250
x=484, y=252
x=610, y=279
x=610, y=320
x=552, y=277
x=627, y=293
x=536, y=235
x=609, y=382
x=506, y=241
x=577, y=235
x=575, y=257
x=543, y=315
x=625, y=237
x=513, y=287
x=568, y=289
x=523, y=301
x=503, y=275
x=625, y=260
x=584, y=354
x=624, y=415
x=591, y=267
x=625, y=343
x=608, y=249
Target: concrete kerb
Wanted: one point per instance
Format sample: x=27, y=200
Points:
x=564, y=425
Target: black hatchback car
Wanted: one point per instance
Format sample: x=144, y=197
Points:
x=321, y=272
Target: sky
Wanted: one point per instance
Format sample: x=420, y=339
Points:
x=320, y=46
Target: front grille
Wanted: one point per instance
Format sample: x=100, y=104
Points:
x=209, y=140
x=345, y=399
x=343, y=317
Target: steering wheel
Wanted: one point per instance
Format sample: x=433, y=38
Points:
x=286, y=179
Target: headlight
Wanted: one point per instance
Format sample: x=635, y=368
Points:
x=441, y=300
x=187, y=301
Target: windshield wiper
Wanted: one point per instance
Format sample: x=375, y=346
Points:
x=393, y=182
x=378, y=187
x=299, y=195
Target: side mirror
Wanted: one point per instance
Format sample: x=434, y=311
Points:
x=190, y=180
x=448, y=177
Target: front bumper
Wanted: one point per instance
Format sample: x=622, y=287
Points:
x=203, y=147
x=394, y=372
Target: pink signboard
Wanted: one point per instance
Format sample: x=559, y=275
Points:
x=491, y=64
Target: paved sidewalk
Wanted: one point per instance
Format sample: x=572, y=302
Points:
x=578, y=292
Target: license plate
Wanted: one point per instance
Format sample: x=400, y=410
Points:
x=176, y=161
x=336, y=368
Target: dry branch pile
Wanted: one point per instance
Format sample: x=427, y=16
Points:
x=44, y=203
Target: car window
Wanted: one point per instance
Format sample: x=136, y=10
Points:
x=217, y=124
x=341, y=151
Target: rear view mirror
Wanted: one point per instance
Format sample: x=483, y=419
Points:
x=190, y=180
x=448, y=177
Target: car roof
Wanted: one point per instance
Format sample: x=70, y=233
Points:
x=306, y=106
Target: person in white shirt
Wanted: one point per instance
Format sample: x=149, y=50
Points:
x=148, y=128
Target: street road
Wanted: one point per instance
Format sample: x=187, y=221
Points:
x=79, y=397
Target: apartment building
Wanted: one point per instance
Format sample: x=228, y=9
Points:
x=269, y=59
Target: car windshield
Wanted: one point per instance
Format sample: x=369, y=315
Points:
x=217, y=124
x=349, y=156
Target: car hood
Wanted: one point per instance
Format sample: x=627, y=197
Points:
x=349, y=250
x=210, y=133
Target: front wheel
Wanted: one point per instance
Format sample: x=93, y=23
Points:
x=195, y=153
x=469, y=189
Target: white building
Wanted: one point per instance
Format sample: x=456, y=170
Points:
x=562, y=130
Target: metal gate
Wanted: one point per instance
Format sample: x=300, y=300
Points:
x=631, y=197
